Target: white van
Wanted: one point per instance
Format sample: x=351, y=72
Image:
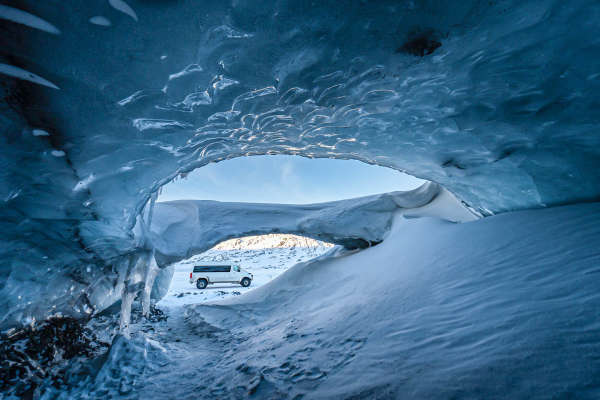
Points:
x=205, y=274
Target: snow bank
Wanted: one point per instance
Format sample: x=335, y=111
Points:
x=503, y=307
x=183, y=228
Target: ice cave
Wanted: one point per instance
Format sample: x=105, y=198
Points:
x=480, y=284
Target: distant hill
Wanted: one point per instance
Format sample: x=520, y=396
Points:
x=271, y=241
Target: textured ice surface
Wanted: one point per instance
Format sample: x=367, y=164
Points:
x=480, y=97
x=22, y=17
x=20, y=73
x=495, y=100
x=181, y=229
x=100, y=20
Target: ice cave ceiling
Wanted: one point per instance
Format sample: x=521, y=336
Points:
x=105, y=101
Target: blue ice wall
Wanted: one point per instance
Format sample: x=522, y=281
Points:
x=103, y=102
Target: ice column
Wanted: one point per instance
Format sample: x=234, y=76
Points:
x=133, y=285
x=141, y=271
x=150, y=276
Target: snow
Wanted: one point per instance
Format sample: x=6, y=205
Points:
x=501, y=307
x=186, y=227
x=274, y=240
x=436, y=310
x=173, y=231
x=183, y=228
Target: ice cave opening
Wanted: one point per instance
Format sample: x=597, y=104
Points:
x=288, y=185
x=263, y=257
x=285, y=179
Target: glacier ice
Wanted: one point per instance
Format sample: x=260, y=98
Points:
x=20, y=73
x=100, y=20
x=25, y=18
x=494, y=100
x=122, y=6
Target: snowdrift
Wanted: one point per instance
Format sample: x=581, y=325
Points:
x=503, y=307
x=181, y=229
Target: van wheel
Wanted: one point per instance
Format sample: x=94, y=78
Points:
x=201, y=283
x=245, y=282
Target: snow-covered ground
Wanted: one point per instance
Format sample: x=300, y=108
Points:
x=503, y=307
x=279, y=253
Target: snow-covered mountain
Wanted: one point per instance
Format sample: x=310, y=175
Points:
x=270, y=241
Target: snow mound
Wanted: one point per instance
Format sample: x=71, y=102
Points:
x=503, y=307
x=183, y=228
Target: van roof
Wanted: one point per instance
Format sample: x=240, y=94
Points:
x=212, y=264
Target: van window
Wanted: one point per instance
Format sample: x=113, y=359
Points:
x=212, y=268
x=236, y=268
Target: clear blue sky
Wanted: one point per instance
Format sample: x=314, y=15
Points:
x=286, y=179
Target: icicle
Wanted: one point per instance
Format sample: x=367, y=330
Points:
x=126, y=302
x=150, y=276
x=151, y=210
x=133, y=284
x=141, y=270
x=126, y=298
